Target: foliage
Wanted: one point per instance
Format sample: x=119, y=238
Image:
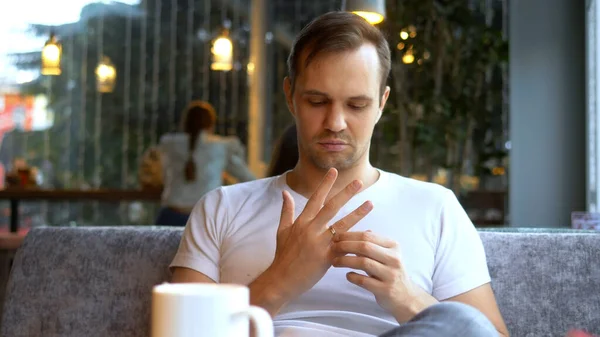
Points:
x=449, y=99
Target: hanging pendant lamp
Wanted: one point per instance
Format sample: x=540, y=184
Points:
x=371, y=10
x=51, y=54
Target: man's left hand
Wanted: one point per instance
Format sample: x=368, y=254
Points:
x=386, y=277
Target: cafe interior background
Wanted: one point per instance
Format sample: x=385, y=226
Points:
x=499, y=109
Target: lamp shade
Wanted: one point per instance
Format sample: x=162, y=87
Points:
x=222, y=53
x=371, y=10
x=106, y=76
x=51, y=54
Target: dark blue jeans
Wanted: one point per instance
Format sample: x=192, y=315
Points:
x=170, y=217
x=446, y=319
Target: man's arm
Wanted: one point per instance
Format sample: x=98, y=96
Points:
x=187, y=275
x=262, y=291
x=482, y=298
x=459, y=242
x=394, y=291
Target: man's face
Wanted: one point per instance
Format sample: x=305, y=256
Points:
x=336, y=105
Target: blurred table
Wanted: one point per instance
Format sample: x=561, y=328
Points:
x=479, y=203
x=15, y=195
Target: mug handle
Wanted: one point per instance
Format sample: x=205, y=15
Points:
x=261, y=319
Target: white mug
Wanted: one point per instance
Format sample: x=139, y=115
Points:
x=206, y=310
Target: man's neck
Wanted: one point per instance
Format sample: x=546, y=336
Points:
x=305, y=178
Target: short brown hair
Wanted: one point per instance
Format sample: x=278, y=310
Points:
x=336, y=32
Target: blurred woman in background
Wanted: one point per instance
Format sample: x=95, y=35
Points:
x=190, y=163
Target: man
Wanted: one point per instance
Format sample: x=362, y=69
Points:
x=336, y=247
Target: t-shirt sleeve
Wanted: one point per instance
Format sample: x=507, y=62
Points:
x=200, y=245
x=460, y=261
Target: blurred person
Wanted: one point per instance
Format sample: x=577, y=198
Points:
x=190, y=163
x=285, y=153
x=337, y=247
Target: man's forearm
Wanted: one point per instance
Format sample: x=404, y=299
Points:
x=421, y=302
x=267, y=294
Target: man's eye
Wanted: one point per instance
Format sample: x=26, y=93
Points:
x=317, y=103
x=357, y=107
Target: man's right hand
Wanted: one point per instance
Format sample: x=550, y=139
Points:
x=303, y=254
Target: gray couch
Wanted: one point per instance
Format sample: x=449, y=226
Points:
x=98, y=281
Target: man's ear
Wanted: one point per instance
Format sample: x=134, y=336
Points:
x=287, y=89
x=384, y=98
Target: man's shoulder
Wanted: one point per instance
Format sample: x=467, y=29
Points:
x=415, y=195
x=415, y=187
x=253, y=191
x=238, y=198
x=253, y=185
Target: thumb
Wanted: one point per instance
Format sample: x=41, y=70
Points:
x=287, y=212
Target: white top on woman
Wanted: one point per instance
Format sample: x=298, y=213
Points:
x=212, y=155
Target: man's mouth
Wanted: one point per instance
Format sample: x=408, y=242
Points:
x=333, y=145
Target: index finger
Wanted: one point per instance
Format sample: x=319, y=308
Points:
x=316, y=200
x=334, y=204
x=366, y=236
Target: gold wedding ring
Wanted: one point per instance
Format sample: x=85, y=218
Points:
x=332, y=230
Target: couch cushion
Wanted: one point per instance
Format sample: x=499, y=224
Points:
x=545, y=282
x=87, y=281
x=98, y=281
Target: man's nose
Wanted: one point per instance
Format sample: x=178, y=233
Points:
x=335, y=120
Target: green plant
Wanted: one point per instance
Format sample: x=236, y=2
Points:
x=446, y=86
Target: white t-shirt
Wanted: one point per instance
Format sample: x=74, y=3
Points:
x=231, y=238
